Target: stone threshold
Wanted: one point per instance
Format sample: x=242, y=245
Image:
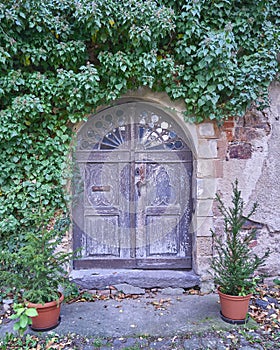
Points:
x=147, y=279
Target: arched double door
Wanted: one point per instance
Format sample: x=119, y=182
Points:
x=132, y=199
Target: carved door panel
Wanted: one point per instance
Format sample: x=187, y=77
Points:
x=132, y=191
x=163, y=216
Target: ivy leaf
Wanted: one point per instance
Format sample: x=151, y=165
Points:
x=31, y=312
x=23, y=321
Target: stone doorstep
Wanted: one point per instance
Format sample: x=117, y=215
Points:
x=138, y=280
x=129, y=290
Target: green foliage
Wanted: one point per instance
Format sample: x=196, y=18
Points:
x=62, y=59
x=37, y=268
x=70, y=292
x=219, y=56
x=234, y=264
x=32, y=341
x=23, y=316
x=10, y=341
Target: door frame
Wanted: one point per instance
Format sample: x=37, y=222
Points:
x=140, y=263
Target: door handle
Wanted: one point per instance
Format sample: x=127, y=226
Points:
x=140, y=184
x=140, y=173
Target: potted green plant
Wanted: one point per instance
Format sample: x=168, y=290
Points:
x=234, y=264
x=37, y=270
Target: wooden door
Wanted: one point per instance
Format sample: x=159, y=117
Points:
x=132, y=190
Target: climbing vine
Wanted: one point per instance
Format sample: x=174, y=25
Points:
x=60, y=59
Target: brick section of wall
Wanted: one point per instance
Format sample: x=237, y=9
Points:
x=228, y=128
x=241, y=132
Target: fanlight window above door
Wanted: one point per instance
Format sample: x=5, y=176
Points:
x=151, y=131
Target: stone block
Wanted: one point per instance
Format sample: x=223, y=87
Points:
x=104, y=292
x=204, y=246
x=204, y=267
x=245, y=134
x=206, y=188
x=256, y=119
x=222, y=146
x=204, y=207
x=172, y=291
x=129, y=289
x=219, y=226
x=102, y=278
x=207, y=148
x=207, y=286
x=203, y=225
x=206, y=130
x=206, y=168
x=240, y=150
x=219, y=169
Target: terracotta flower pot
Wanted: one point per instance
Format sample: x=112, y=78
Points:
x=48, y=315
x=234, y=307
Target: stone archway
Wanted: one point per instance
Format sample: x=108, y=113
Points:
x=132, y=195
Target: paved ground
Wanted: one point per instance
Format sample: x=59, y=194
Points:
x=160, y=322
x=159, y=315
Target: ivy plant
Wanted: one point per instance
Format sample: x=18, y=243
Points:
x=62, y=59
x=23, y=316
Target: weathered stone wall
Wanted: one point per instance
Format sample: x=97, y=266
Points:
x=244, y=148
x=249, y=149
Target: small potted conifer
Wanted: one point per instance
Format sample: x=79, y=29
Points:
x=234, y=264
x=36, y=271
